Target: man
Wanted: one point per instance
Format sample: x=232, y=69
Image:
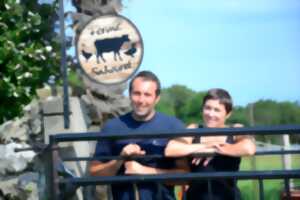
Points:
x=144, y=91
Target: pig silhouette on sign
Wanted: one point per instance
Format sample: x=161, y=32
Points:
x=110, y=45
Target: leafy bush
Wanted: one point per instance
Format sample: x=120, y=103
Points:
x=28, y=52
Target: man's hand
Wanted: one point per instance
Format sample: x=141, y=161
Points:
x=132, y=149
x=133, y=167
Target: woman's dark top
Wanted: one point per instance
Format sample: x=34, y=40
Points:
x=221, y=189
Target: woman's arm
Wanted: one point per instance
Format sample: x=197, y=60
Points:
x=243, y=146
x=183, y=147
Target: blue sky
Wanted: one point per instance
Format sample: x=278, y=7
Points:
x=249, y=47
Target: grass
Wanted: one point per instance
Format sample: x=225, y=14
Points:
x=272, y=188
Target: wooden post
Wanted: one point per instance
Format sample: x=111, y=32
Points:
x=286, y=158
x=255, y=186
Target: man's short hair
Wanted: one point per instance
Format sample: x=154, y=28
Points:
x=147, y=76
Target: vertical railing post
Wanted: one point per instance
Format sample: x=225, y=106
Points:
x=209, y=189
x=63, y=65
x=235, y=180
x=48, y=170
x=53, y=179
x=287, y=189
x=109, y=192
x=261, y=189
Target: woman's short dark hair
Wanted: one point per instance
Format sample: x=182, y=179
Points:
x=148, y=76
x=219, y=94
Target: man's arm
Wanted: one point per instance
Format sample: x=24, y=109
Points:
x=133, y=167
x=111, y=167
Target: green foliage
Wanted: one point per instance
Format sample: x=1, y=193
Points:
x=166, y=105
x=266, y=112
x=28, y=53
x=186, y=104
x=239, y=115
x=192, y=109
x=74, y=79
x=178, y=95
x=290, y=113
x=181, y=102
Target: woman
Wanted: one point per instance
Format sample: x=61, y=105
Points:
x=216, y=108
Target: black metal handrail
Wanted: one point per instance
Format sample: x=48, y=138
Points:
x=242, y=175
x=263, y=130
x=157, y=156
x=257, y=175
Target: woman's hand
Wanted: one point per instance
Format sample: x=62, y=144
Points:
x=196, y=161
x=209, y=148
x=242, y=147
x=227, y=149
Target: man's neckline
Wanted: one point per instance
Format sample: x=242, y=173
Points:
x=141, y=120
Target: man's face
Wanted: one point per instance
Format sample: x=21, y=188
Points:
x=143, y=98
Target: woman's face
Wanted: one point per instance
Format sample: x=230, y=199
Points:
x=214, y=114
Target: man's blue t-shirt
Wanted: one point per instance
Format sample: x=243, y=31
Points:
x=125, y=124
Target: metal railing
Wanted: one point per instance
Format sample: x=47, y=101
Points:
x=54, y=180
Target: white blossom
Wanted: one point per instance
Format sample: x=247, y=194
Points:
x=48, y=48
x=17, y=66
x=15, y=94
x=30, y=13
x=24, y=27
x=27, y=74
x=7, y=6
x=43, y=57
x=10, y=43
x=6, y=79
x=38, y=51
x=27, y=91
x=22, y=44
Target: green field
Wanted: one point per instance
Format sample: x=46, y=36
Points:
x=272, y=188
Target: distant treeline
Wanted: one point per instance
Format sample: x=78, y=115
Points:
x=184, y=103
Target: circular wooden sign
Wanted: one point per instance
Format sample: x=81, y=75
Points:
x=109, y=49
